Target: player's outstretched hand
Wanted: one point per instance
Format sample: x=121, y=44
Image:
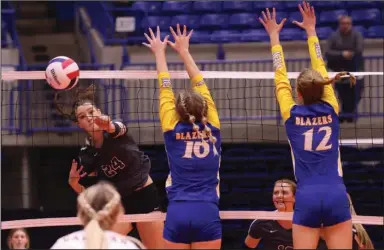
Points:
x=154, y=42
x=309, y=18
x=269, y=22
x=181, y=43
x=74, y=174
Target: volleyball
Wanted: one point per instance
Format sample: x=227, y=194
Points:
x=62, y=73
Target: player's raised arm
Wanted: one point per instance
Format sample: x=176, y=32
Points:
x=181, y=45
x=283, y=86
x=168, y=115
x=309, y=25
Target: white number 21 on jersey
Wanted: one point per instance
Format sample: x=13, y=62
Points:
x=308, y=138
x=198, y=148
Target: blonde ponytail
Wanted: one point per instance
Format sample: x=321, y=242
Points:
x=337, y=77
x=94, y=236
x=106, y=200
x=361, y=233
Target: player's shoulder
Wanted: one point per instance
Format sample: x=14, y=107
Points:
x=70, y=241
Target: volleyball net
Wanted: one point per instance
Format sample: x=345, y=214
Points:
x=255, y=147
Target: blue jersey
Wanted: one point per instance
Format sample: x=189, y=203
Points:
x=313, y=134
x=313, y=130
x=193, y=161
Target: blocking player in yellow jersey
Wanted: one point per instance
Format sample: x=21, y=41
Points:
x=191, y=129
x=312, y=128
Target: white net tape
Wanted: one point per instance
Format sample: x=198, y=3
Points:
x=124, y=74
x=158, y=216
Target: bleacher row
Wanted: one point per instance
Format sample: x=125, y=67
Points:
x=237, y=21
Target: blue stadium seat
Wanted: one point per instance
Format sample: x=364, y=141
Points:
x=262, y=5
x=254, y=35
x=367, y=15
x=3, y=34
x=147, y=7
x=207, y=6
x=292, y=5
x=223, y=36
x=324, y=32
x=376, y=31
x=360, y=4
x=291, y=34
x=176, y=7
x=331, y=16
x=214, y=21
x=361, y=29
x=294, y=16
x=327, y=5
x=237, y=6
x=192, y=22
x=244, y=20
x=201, y=37
x=152, y=21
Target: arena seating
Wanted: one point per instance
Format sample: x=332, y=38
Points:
x=233, y=21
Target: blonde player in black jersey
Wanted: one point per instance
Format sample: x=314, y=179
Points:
x=98, y=208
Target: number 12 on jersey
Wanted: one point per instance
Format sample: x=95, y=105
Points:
x=308, y=139
x=197, y=148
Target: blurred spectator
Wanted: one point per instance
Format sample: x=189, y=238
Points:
x=344, y=52
x=18, y=239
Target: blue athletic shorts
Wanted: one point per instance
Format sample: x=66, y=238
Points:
x=192, y=221
x=321, y=204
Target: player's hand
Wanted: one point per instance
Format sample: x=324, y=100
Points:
x=75, y=173
x=181, y=43
x=103, y=121
x=269, y=22
x=154, y=42
x=309, y=18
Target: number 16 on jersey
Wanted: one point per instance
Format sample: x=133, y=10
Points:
x=198, y=149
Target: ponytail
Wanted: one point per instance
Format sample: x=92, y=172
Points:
x=76, y=99
x=94, y=236
x=337, y=77
x=204, y=121
x=361, y=233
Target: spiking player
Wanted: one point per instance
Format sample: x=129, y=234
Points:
x=112, y=153
x=313, y=131
x=191, y=128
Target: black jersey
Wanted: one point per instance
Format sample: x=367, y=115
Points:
x=118, y=161
x=273, y=235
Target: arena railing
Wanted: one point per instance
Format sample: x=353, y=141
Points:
x=9, y=16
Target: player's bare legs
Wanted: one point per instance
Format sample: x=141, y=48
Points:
x=339, y=236
x=213, y=244
x=311, y=239
x=151, y=234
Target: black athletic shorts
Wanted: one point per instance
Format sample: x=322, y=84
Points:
x=143, y=201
